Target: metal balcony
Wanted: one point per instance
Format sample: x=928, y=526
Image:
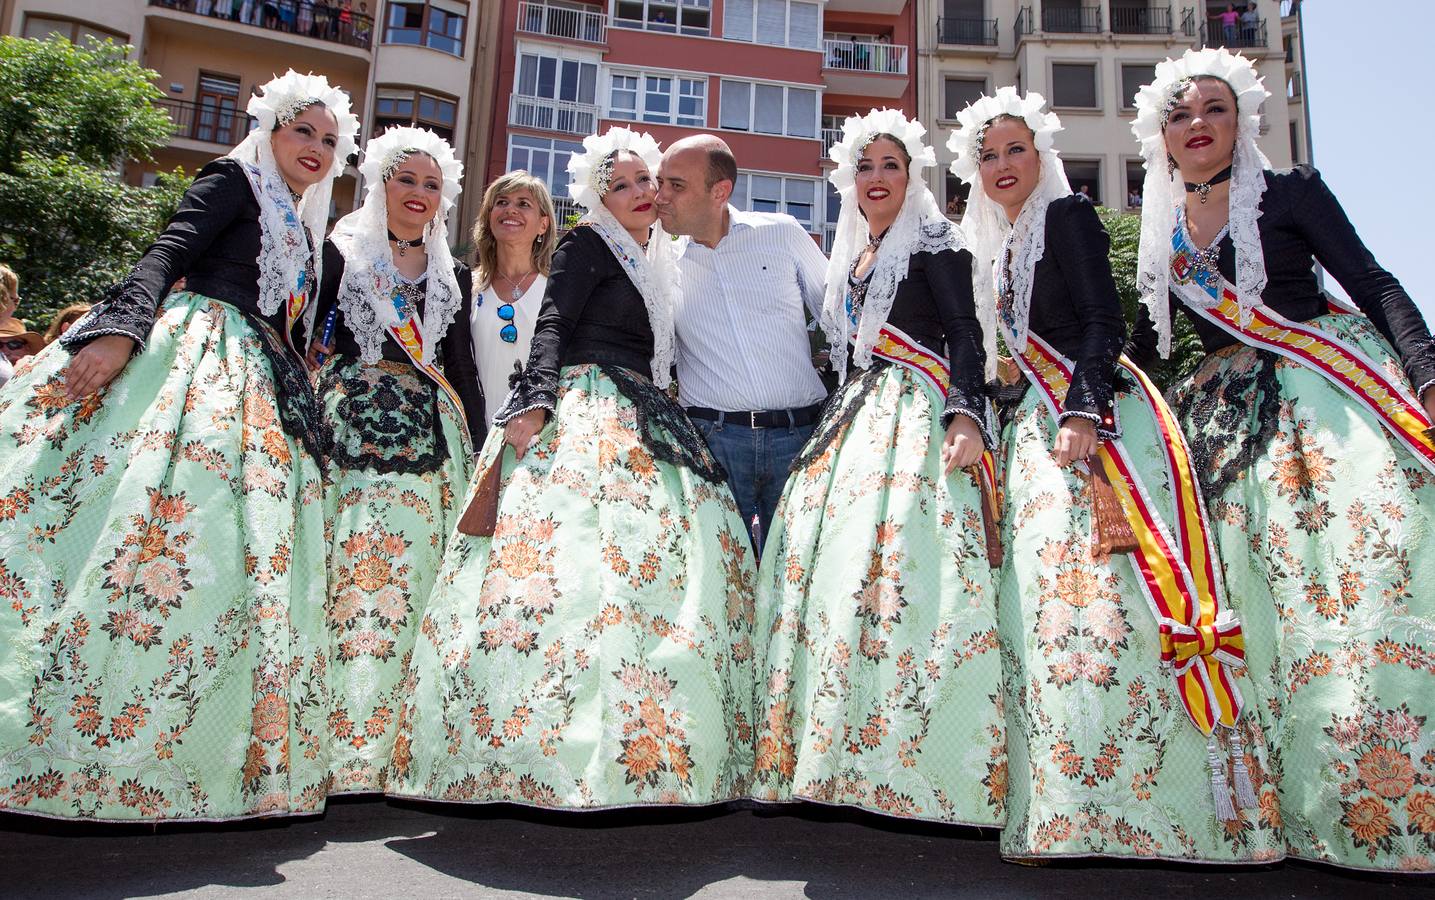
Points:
x=972, y=32
x=319, y=20
x=1071, y=20
x=547, y=114
x=1140, y=20
x=206, y=122
x=590, y=26
x=860, y=56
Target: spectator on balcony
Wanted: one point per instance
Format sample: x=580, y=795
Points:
x=515, y=234
x=271, y=14
x=1133, y=197
x=1229, y=20
x=305, y=21
x=1085, y=193
x=204, y=7
x=1250, y=24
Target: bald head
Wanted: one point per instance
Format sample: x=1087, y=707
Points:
x=715, y=153
x=695, y=180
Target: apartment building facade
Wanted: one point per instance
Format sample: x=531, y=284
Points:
x=1088, y=57
x=422, y=62
x=774, y=78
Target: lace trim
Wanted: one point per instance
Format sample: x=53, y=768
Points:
x=1215, y=416
x=393, y=421
x=654, y=274
x=286, y=249
x=664, y=428
x=300, y=415
x=112, y=315
x=371, y=279
x=1420, y=391
x=837, y=414
x=919, y=228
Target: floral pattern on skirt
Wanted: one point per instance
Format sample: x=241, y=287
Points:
x=597, y=650
x=390, y=517
x=1328, y=540
x=1105, y=760
x=162, y=644
x=880, y=680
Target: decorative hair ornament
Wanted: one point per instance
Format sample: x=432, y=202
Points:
x=1163, y=200
x=366, y=292
x=652, y=269
x=290, y=236
x=1005, y=253
x=919, y=227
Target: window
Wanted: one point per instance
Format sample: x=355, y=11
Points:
x=672, y=16
x=1135, y=183
x=216, y=118
x=768, y=109
x=407, y=106
x=1074, y=85
x=438, y=24
x=778, y=194
x=665, y=99
x=956, y=196
x=1085, y=177
x=1132, y=78
x=544, y=159
x=960, y=93
x=41, y=27
x=782, y=23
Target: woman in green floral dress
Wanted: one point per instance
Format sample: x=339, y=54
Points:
x=1119, y=747
x=879, y=679
x=596, y=649
x=1309, y=419
x=400, y=391
x=162, y=646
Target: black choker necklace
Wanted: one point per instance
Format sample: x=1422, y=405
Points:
x=1203, y=188
x=404, y=245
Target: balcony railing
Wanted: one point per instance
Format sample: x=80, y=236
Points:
x=567, y=116
x=1238, y=36
x=1140, y=20
x=564, y=22
x=979, y=32
x=1289, y=8
x=206, y=122
x=565, y=210
x=860, y=56
x=320, y=20
x=1024, y=23
x=1188, y=23
x=1071, y=20
x=830, y=136
x=1293, y=86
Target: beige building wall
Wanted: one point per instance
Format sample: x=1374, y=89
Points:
x=182, y=46
x=1097, y=138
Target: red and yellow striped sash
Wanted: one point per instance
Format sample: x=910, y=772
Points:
x=897, y=347
x=1199, y=639
x=411, y=339
x=1343, y=364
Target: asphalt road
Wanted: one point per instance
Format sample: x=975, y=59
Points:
x=369, y=848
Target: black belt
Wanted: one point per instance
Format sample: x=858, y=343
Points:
x=759, y=418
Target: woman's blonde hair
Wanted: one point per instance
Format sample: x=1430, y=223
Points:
x=502, y=186
x=65, y=317
x=9, y=282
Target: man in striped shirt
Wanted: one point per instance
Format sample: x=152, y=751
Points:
x=744, y=361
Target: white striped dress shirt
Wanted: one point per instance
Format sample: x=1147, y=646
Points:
x=741, y=336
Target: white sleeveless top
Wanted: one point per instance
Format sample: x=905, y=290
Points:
x=493, y=355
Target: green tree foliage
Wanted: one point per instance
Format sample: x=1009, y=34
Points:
x=69, y=117
x=1186, y=353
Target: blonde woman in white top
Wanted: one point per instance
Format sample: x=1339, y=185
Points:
x=515, y=234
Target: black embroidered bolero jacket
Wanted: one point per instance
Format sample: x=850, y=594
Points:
x=1301, y=223
x=212, y=242
x=455, y=351
x=1075, y=307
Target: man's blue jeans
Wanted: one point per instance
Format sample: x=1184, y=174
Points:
x=756, y=460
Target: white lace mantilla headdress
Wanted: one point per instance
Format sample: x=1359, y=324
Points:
x=654, y=272
x=919, y=227
x=370, y=277
x=1163, y=198
x=284, y=254
x=988, y=231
